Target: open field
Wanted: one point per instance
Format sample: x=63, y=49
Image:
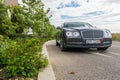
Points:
x=116, y=36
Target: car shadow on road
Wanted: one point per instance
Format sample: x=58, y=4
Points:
x=84, y=51
x=77, y=50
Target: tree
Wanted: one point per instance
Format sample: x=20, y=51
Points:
x=6, y=26
x=18, y=18
x=37, y=18
x=29, y=15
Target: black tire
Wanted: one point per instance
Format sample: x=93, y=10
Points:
x=57, y=44
x=85, y=48
x=105, y=48
x=62, y=47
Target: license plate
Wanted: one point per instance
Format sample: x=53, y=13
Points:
x=93, y=41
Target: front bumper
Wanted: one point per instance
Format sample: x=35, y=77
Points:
x=83, y=44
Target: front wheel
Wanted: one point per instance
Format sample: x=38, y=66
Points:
x=62, y=47
x=105, y=48
x=57, y=44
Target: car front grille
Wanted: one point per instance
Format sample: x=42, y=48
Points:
x=92, y=34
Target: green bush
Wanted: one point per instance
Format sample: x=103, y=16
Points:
x=21, y=57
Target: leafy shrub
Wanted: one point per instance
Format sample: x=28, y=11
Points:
x=19, y=56
x=22, y=57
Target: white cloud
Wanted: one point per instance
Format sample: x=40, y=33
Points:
x=97, y=12
x=114, y=1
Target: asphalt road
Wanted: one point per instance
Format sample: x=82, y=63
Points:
x=76, y=64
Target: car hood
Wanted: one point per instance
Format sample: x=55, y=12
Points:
x=82, y=28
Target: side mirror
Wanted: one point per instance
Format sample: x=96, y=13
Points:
x=58, y=27
x=94, y=26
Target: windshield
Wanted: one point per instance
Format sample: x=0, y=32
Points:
x=76, y=24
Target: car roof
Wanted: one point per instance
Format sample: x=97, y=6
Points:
x=74, y=22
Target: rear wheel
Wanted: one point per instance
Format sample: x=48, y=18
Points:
x=105, y=48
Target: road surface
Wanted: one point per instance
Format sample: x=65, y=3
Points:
x=76, y=64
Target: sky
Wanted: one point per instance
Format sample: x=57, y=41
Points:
x=99, y=13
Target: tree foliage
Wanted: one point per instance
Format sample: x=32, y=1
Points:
x=6, y=26
x=29, y=15
x=38, y=19
x=19, y=56
x=18, y=18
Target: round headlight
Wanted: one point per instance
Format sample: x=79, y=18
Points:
x=107, y=34
x=76, y=34
x=68, y=34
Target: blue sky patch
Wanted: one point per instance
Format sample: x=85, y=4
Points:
x=71, y=4
x=70, y=17
x=86, y=15
x=94, y=13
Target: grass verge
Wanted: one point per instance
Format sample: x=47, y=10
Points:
x=116, y=36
